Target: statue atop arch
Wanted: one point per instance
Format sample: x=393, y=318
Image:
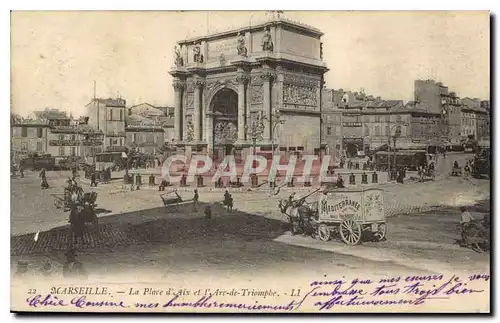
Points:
x=178, y=59
x=241, y=48
x=198, y=56
x=267, y=42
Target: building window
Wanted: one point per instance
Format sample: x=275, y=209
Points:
x=121, y=142
x=367, y=130
x=73, y=137
x=61, y=151
x=377, y=118
x=134, y=137
x=111, y=114
x=38, y=146
x=121, y=115
x=24, y=132
x=61, y=137
x=73, y=151
x=24, y=146
x=329, y=131
x=377, y=131
x=39, y=132
x=398, y=118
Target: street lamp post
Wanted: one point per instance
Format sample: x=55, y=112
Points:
x=397, y=134
x=444, y=132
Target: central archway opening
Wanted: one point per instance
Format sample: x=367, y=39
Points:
x=224, y=106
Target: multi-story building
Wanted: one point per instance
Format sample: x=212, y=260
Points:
x=29, y=136
x=475, y=119
x=145, y=138
x=73, y=137
x=454, y=111
x=108, y=116
x=366, y=120
x=331, y=125
x=484, y=129
x=431, y=95
x=144, y=131
x=435, y=98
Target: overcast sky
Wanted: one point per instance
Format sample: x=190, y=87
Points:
x=56, y=56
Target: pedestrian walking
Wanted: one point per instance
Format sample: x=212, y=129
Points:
x=43, y=179
x=467, y=170
x=208, y=212
x=72, y=267
x=21, y=170
x=93, y=179
x=195, y=200
x=465, y=221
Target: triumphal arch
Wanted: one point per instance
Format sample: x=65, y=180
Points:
x=231, y=88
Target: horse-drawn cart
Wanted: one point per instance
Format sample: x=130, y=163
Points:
x=350, y=214
x=172, y=200
x=62, y=201
x=426, y=174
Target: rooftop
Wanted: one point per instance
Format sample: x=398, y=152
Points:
x=118, y=102
x=256, y=25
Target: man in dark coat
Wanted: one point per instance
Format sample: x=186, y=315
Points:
x=93, y=179
x=43, y=179
x=196, y=198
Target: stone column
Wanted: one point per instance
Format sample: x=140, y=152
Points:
x=209, y=125
x=178, y=89
x=267, y=77
x=198, y=85
x=242, y=80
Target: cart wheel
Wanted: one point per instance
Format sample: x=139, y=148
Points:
x=323, y=232
x=58, y=204
x=350, y=232
x=381, y=232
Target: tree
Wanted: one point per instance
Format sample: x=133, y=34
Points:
x=15, y=118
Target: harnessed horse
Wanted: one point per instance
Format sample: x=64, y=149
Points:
x=299, y=215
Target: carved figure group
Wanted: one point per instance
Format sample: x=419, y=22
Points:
x=299, y=95
x=241, y=48
x=178, y=59
x=225, y=132
x=189, y=131
x=267, y=42
x=198, y=56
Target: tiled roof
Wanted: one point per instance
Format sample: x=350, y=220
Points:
x=138, y=119
x=51, y=114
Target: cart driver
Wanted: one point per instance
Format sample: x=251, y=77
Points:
x=297, y=200
x=465, y=220
x=455, y=164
